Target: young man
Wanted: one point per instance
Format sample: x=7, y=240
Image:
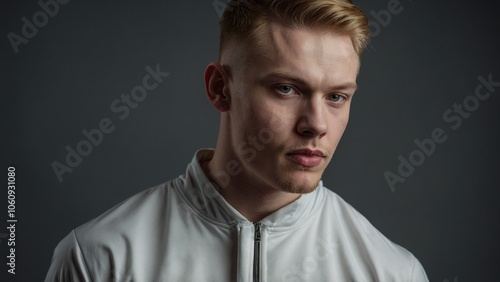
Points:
x=255, y=209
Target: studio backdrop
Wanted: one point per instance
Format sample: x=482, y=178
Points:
x=81, y=131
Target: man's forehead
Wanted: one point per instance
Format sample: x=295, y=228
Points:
x=274, y=38
x=303, y=50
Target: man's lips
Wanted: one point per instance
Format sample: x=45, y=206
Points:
x=307, y=157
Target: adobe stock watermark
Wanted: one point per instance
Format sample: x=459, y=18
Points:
x=453, y=117
x=30, y=28
x=121, y=107
x=454, y=280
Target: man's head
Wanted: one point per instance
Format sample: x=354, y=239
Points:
x=284, y=84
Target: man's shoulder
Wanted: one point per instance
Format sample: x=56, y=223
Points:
x=143, y=207
x=90, y=247
x=352, y=223
x=363, y=240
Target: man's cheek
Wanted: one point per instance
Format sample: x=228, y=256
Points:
x=276, y=125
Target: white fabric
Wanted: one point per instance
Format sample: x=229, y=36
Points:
x=183, y=230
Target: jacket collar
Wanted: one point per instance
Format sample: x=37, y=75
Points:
x=205, y=200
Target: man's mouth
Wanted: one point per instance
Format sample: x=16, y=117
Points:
x=307, y=157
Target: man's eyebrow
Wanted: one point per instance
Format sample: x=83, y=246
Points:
x=302, y=82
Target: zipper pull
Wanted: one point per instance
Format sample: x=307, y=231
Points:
x=257, y=231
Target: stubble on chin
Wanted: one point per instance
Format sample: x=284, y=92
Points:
x=298, y=179
x=287, y=184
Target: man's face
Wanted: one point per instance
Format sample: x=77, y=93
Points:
x=290, y=105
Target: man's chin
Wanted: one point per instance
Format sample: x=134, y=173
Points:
x=296, y=186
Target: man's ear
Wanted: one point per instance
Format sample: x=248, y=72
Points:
x=216, y=86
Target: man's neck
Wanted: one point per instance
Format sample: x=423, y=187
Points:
x=253, y=200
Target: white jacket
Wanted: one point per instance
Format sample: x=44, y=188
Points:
x=184, y=230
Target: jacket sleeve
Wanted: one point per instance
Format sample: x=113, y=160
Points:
x=418, y=272
x=68, y=263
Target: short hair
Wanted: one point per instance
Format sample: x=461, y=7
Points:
x=242, y=19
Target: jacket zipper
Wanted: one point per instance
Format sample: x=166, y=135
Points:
x=256, y=253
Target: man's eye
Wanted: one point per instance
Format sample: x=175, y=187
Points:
x=285, y=89
x=337, y=98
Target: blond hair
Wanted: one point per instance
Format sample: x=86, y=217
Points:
x=242, y=19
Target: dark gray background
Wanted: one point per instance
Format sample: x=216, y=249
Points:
x=427, y=58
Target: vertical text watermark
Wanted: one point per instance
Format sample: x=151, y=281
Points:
x=11, y=220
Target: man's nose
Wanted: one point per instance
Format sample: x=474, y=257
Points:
x=312, y=118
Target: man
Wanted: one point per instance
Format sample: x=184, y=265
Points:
x=255, y=209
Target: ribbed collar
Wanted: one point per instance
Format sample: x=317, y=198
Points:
x=204, y=198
